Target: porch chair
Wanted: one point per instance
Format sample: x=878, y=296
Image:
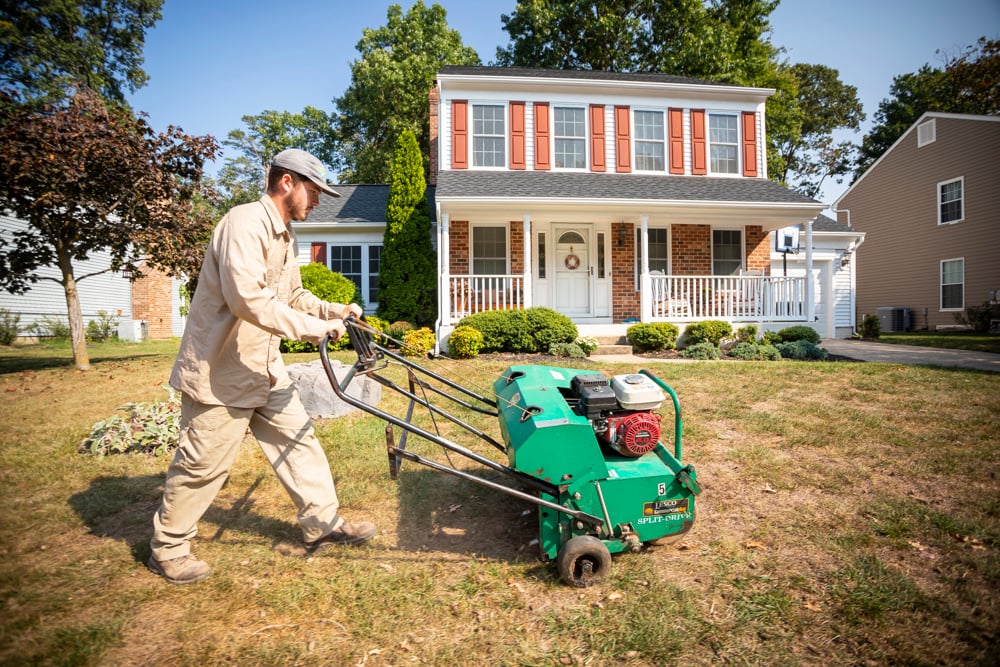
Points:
x=667, y=305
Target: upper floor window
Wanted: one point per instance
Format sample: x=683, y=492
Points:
x=727, y=252
x=489, y=251
x=488, y=136
x=953, y=284
x=950, y=196
x=723, y=138
x=649, y=141
x=570, y=130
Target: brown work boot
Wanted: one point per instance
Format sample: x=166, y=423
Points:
x=346, y=533
x=180, y=570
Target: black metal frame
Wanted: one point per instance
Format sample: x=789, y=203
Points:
x=372, y=358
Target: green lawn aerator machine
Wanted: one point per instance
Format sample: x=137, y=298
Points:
x=582, y=447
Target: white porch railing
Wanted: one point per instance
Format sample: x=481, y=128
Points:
x=474, y=294
x=747, y=298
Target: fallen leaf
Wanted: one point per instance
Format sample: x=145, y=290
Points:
x=616, y=595
x=754, y=545
x=813, y=606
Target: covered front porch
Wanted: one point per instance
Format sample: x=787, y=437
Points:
x=679, y=299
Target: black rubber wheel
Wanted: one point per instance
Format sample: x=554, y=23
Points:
x=583, y=561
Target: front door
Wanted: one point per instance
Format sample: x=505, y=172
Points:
x=574, y=272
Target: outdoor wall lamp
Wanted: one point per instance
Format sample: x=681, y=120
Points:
x=622, y=234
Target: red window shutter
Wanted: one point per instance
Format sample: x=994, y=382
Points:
x=318, y=253
x=517, y=156
x=676, y=131
x=460, y=134
x=598, y=160
x=623, y=140
x=543, y=160
x=699, y=165
x=749, y=144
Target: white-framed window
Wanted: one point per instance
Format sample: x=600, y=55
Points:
x=723, y=141
x=953, y=284
x=359, y=263
x=659, y=250
x=569, y=132
x=489, y=250
x=727, y=252
x=488, y=135
x=951, y=198
x=650, y=144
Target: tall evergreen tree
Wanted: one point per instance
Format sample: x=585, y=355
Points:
x=408, y=272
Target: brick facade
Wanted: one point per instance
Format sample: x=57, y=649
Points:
x=625, y=298
x=691, y=250
x=152, y=301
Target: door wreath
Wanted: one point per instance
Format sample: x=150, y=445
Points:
x=572, y=262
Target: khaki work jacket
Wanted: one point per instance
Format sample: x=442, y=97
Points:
x=249, y=297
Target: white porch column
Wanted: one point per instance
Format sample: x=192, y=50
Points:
x=444, y=262
x=645, y=303
x=527, y=260
x=810, y=292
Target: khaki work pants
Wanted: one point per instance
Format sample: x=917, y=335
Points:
x=210, y=438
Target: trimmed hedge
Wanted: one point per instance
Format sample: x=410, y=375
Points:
x=525, y=330
x=653, y=335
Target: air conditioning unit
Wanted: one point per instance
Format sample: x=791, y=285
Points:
x=893, y=319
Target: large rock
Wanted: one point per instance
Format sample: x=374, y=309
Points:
x=318, y=396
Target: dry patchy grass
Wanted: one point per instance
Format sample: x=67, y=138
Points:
x=850, y=515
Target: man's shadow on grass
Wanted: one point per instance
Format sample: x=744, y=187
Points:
x=122, y=508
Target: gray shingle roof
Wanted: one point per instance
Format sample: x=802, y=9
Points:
x=358, y=203
x=576, y=186
x=582, y=75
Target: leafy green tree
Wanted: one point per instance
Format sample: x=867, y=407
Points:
x=389, y=88
x=823, y=104
x=968, y=83
x=88, y=176
x=408, y=272
x=48, y=47
x=242, y=178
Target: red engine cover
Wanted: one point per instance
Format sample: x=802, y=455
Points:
x=634, y=434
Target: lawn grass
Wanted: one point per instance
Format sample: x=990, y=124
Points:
x=850, y=515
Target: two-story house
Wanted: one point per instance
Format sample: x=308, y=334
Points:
x=611, y=198
x=930, y=212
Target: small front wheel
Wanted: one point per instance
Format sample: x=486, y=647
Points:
x=583, y=561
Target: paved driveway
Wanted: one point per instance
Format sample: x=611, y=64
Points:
x=865, y=350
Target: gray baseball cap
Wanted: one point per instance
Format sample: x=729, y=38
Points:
x=304, y=164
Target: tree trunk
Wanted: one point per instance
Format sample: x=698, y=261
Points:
x=76, y=328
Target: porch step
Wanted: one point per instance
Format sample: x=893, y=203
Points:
x=612, y=345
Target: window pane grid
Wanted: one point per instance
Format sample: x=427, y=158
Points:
x=570, y=129
x=649, y=141
x=951, y=201
x=723, y=135
x=952, y=283
x=488, y=135
x=659, y=250
x=489, y=251
x=727, y=252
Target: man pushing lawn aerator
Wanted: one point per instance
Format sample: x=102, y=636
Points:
x=231, y=375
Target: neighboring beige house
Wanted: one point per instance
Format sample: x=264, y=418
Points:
x=930, y=212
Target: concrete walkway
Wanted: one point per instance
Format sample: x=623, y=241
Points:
x=864, y=350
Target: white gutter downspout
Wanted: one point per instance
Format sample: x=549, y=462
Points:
x=645, y=301
x=444, y=302
x=527, y=261
x=810, y=296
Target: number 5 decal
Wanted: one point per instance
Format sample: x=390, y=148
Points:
x=661, y=489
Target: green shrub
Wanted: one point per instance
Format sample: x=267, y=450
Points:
x=52, y=327
x=747, y=334
x=748, y=351
x=703, y=350
x=799, y=332
x=712, y=331
x=8, y=326
x=653, y=335
x=771, y=338
x=587, y=343
x=531, y=330
x=464, y=343
x=105, y=327
x=870, y=327
x=145, y=428
x=328, y=285
x=567, y=350
x=977, y=318
x=418, y=342
x=397, y=331
x=802, y=350
x=546, y=326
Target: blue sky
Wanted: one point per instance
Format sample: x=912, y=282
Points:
x=211, y=62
